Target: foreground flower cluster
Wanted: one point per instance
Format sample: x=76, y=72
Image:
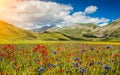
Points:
x=63, y=59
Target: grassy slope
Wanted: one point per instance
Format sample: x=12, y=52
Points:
x=90, y=32
x=79, y=31
x=54, y=36
x=111, y=31
x=9, y=32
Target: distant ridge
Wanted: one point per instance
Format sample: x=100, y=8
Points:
x=92, y=32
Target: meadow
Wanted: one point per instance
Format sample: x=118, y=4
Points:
x=60, y=58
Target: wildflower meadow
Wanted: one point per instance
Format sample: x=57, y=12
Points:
x=59, y=59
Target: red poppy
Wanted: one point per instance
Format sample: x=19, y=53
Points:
x=69, y=54
x=61, y=71
x=4, y=47
x=1, y=54
x=38, y=62
x=3, y=73
x=35, y=49
x=79, y=61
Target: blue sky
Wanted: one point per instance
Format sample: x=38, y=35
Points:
x=106, y=8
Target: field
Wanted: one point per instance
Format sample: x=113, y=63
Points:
x=60, y=58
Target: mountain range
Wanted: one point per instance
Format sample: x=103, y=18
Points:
x=81, y=32
x=110, y=32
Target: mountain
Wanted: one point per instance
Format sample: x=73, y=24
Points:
x=83, y=32
x=110, y=31
x=92, y=32
x=79, y=32
x=42, y=29
x=10, y=32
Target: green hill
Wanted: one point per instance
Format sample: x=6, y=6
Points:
x=52, y=36
x=80, y=31
x=10, y=32
x=92, y=32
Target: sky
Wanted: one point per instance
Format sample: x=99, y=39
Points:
x=106, y=8
x=31, y=14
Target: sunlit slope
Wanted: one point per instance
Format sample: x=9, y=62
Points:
x=10, y=32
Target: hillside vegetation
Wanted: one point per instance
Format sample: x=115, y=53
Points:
x=10, y=32
x=77, y=32
x=92, y=32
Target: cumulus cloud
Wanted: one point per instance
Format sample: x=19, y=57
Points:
x=32, y=14
x=90, y=9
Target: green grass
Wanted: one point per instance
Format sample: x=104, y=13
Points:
x=52, y=42
x=52, y=36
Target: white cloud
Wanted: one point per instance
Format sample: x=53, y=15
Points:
x=103, y=24
x=33, y=14
x=90, y=9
